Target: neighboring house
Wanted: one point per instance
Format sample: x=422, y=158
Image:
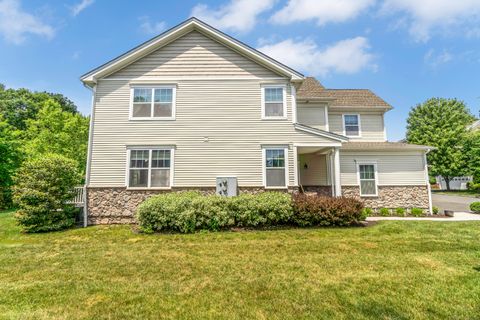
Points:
x=194, y=104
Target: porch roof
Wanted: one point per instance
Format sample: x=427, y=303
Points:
x=384, y=146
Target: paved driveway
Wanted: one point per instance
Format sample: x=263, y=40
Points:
x=450, y=202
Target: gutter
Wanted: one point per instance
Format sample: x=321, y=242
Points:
x=89, y=153
x=427, y=177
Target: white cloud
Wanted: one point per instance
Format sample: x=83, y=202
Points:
x=323, y=11
x=427, y=17
x=434, y=59
x=347, y=56
x=79, y=7
x=237, y=15
x=149, y=27
x=15, y=23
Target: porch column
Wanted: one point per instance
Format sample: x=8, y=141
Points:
x=336, y=168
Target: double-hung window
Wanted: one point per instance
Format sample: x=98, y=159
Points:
x=351, y=125
x=274, y=102
x=367, y=175
x=150, y=168
x=276, y=163
x=153, y=103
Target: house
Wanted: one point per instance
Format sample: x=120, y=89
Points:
x=194, y=104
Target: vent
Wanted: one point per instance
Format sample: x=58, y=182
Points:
x=227, y=186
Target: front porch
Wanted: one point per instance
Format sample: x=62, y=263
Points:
x=317, y=168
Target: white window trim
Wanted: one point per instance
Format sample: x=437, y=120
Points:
x=153, y=87
x=264, y=166
x=284, y=88
x=370, y=162
x=150, y=149
x=359, y=125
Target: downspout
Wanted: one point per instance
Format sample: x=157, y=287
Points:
x=89, y=154
x=427, y=178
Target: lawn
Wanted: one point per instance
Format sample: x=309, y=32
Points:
x=393, y=270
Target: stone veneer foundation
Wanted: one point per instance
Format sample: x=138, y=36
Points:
x=118, y=205
x=392, y=197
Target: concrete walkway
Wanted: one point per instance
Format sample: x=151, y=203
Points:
x=458, y=216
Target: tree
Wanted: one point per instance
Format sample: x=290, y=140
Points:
x=57, y=131
x=19, y=105
x=9, y=161
x=441, y=123
x=472, y=150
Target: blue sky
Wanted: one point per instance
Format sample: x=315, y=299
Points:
x=404, y=50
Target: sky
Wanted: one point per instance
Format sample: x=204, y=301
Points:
x=406, y=51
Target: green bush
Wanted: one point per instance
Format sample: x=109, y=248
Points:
x=384, y=212
x=43, y=188
x=400, y=211
x=326, y=211
x=417, y=212
x=190, y=211
x=366, y=212
x=435, y=210
x=473, y=186
x=475, y=206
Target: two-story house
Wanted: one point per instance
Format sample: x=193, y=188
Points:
x=194, y=104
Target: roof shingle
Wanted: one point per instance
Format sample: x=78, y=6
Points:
x=311, y=88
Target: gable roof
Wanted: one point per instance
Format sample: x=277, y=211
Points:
x=178, y=31
x=312, y=89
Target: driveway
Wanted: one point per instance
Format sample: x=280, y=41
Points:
x=450, y=202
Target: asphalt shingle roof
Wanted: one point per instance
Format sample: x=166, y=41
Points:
x=311, y=88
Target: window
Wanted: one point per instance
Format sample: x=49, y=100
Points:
x=275, y=168
x=367, y=173
x=274, y=105
x=150, y=168
x=351, y=125
x=153, y=103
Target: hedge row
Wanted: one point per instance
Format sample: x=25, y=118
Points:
x=190, y=211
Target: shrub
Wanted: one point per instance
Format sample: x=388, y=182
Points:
x=435, y=210
x=384, y=212
x=366, y=212
x=475, y=206
x=326, y=211
x=473, y=186
x=42, y=190
x=189, y=211
x=400, y=211
x=417, y=212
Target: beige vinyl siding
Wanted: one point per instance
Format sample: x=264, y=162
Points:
x=194, y=54
x=311, y=115
x=394, y=168
x=228, y=113
x=371, y=125
x=316, y=172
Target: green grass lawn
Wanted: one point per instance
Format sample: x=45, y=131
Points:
x=393, y=270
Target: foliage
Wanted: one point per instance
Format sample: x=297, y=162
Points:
x=57, y=131
x=19, y=105
x=326, y=211
x=9, y=161
x=400, y=211
x=190, y=211
x=384, y=212
x=263, y=209
x=43, y=187
x=472, y=186
x=435, y=210
x=366, y=212
x=416, y=212
x=475, y=206
x=441, y=123
x=472, y=150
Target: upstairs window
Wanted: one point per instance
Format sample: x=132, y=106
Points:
x=153, y=103
x=367, y=175
x=149, y=168
x=275, y=168
x=274, y=102
x=351, y=125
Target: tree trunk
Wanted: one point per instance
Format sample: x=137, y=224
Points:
x=447, y=182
